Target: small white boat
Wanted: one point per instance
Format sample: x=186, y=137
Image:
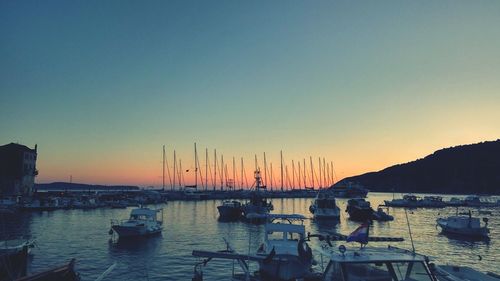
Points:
x=142, y=222
x=408, y=201
x=464, y=225
x=287, y=255
x=324, y=207
x=284, y=255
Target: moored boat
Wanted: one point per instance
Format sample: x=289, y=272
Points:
x=432, y=202
x=359, y=210
x=287, y=254
x=324, y=207
x=230, y=210
x=408, y=201
x=13, y=263
x=257, y=208
x=142, y=222
x=465, y=226
x=380, y=215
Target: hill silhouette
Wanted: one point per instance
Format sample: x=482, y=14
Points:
x=464, y=169
x=82, y=186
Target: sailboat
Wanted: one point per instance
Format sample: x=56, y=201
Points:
x=191, y=192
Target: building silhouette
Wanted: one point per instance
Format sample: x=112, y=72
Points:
x=17, y=169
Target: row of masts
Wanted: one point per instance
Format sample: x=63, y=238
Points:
x=294, y=176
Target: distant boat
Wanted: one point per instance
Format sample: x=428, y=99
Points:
x=324, y=206
x=475, y=201
x=348, y=190
x=142, y=222
x=380, y=215
x=230, y=210
x=466, y=226
x=455, y=202
x=408, y=201
x=432, y=202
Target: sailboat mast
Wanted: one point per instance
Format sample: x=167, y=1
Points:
x=265, y=170
x=333, y=174
x=328, y=174
x=281, y=155
x=298, y=162
x=163, y=178
x=305, y=185
x=206, y=169
x=293, y=175
x=181, y=177
x=234, y=175
x=222, y=172
x=320, y=179
x=312, y=171
x=324, y=174
x=215, y=168
x=175, y=165
x=271, y=180
x=241, y=186
x=195, y=167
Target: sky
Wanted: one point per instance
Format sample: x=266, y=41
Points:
x=101, y=86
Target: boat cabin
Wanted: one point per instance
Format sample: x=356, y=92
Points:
x=463, y=222
x=325, y=201
x=283, y=236
x=377, y=264
x=143, y=214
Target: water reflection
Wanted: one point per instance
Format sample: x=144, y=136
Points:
x=83, y=234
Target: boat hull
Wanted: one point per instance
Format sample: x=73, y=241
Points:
x=128, y=232
x=481, y=232
x=326, y=214
x=229, y=213
x=360, y=214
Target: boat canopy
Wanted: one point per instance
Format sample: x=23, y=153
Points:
x=283, y=227
x=461, y=221
x=286, y=216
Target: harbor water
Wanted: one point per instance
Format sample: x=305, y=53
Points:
x=189, y=225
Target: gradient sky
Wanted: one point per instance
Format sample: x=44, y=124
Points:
x=100, y=86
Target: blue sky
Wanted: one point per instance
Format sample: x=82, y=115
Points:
x=100, y=86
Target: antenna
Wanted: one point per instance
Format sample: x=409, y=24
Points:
x=409, y=230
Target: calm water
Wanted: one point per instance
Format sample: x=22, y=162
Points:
x=83, y=234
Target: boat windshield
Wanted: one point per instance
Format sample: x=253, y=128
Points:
x=383, y=271
x=140, y=217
